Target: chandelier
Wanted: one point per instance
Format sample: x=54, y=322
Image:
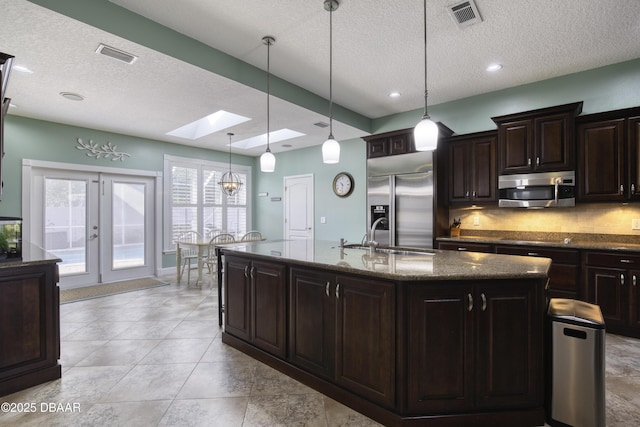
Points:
x=230, y=182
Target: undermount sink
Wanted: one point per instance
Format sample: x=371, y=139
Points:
x=391, y=250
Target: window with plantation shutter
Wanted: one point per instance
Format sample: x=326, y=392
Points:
x=195, y=202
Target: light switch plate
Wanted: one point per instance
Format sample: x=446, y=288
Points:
x=323, y=220
x=635, y=224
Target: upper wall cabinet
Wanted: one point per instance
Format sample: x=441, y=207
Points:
x=537, y=141
x=472, y=168
x=396, y=142
x=609, y=156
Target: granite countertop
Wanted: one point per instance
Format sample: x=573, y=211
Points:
x=428, y=264
x=31, y=255
x=554, y=240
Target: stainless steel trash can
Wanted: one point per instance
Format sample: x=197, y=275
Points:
x=577, y=364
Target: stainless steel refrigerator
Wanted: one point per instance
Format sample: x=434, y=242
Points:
x=401, y=187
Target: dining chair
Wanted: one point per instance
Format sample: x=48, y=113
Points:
x=211, y=259
x=188, y=254
x=251, y=236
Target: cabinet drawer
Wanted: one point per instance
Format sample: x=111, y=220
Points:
x=565, y=256
x=470, y=247
x=613, y=259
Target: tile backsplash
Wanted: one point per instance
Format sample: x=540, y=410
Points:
x=592, y=218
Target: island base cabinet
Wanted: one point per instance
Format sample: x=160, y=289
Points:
x=472, y=347
x=340, y=329
x=255, y=303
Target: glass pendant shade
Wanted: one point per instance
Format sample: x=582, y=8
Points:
x=267, y=162
x=331, y=151
x=425, y=135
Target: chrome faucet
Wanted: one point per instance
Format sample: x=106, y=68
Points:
x=371, y=242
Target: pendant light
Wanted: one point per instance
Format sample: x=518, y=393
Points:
x=425, y=134
x=331, y=147
x=268, y=160
x=230, y=182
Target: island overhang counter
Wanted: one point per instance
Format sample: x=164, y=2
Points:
x=429, y=337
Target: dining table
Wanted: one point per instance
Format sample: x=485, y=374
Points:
x=201, y=246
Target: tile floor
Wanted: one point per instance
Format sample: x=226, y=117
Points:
x=154, y=358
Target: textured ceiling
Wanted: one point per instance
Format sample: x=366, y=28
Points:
x=377, y=48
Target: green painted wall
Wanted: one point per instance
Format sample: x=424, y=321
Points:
x=602, y=89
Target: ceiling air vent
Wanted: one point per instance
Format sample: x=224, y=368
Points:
x=465, y=14
x=321, y=124
x=114, y=53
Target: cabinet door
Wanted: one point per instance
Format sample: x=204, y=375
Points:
x=516, y=145
x=634, y=315
x=237, y=297
x=633, y=158
x=605, y=288
x=312, y=321
x=484, y=171
x=554, y=143
x=377, y=148
x=440, y=347
x=509, y=323
x=601, y=161
x=268, y=307
x=459, y=161
x=365, y=357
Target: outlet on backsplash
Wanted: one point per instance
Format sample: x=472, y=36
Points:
x=635, y=224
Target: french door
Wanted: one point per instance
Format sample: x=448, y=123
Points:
x=101, y=225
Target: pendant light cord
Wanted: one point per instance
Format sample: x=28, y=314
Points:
x=426, y=115
x=268, y=90
x=331, y=71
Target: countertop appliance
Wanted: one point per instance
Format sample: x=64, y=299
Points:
x=400, y=188
x=537, y=190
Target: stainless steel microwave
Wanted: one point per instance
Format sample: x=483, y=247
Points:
x=537, y=190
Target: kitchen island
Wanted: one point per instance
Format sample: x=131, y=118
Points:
x=428, y=337
x=29, y=320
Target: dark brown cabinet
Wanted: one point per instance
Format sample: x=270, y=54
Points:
x=565, y=267
x=474, y=346
x=472, y=169
x=390, y=143
x=611, y=281
x=29, y=326
x=609, y=155
x=470, y=247
x=255, y=303
x=537, y=141
x=339, y=329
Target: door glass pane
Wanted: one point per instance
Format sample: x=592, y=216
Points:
x=128, y=225
x=65, y=223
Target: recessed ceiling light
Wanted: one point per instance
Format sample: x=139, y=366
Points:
x=274, y=136
x=207, y=125
x=22, y=69
x=394, y=95
x=494, y=67
x=72, y=96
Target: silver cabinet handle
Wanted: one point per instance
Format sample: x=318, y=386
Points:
x=627, y=261
x=326, y=288
x=246, y=272
x=633, y=280
x=621, y=279
x=533, y=253
x=469, y=302
x=484, y=301
x=466, y=194
x=633, y=189
x=537, y=161
x=622, y=189
x=461, y=248
x=338, y=291
x=529, y=161
x=253, y=269
x=475, y=194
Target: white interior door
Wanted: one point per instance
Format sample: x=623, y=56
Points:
x=298, y=205
x=100, y=225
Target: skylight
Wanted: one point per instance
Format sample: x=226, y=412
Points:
x=207, y=125
x=275, y=136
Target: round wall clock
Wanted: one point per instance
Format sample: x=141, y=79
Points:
x=343, y=184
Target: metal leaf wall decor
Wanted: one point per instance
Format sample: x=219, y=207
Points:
x=106, y=151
